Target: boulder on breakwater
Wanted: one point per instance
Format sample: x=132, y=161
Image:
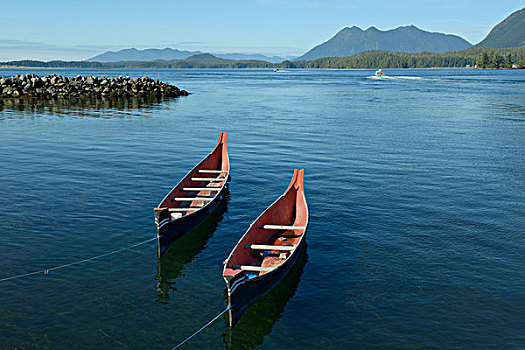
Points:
x=56, y=86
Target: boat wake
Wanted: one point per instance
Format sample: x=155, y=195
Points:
x=388, y=77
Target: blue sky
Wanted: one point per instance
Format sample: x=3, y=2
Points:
x=71, y=29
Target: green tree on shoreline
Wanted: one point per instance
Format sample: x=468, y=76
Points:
x=484, y=60
x=483, y=57
x=508, y=61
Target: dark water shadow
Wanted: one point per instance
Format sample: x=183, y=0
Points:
x=258, y=320
x=83, y=107
x=184, y=250
x=507, y=111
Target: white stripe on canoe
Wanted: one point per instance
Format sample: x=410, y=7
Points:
x=269, y=247
x=212, y=171
x=186, y=199
x=185, y=209
x=237, y=283
x=163, y=222
x=280, y=227
x=208, y=179
x=202, y=188
x=252, y=268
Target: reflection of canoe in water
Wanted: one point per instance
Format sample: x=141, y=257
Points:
x=268, y=250
x=194, y=197
x=258, y=319
x=184, y=250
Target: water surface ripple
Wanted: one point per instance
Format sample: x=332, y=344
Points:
x=416, y=190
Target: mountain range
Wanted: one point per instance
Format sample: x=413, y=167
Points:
x=509, y=33
x=169, y=54
x=143, y=55
x=351, y=41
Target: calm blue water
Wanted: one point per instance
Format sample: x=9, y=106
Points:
x=416, y=190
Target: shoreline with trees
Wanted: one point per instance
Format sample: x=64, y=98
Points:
x=479, y=58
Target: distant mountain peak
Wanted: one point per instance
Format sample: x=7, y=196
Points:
x=168, y=54
x=133, y=54
x=508, y=33
x=351, y=29
x=350, y=41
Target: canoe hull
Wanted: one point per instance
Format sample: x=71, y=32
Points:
x=262, y=257
x=169, y=232
x=212, y=172
x=243, y=293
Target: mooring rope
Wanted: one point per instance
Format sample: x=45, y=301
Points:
x=46, y=271
x=202, y=328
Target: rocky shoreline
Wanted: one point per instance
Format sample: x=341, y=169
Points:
x=61, y=87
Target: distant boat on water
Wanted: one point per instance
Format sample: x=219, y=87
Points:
x=380, y=75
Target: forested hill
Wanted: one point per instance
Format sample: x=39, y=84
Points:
x=509, y=33
x=350, y=41
x=484, y=57
x=492, y=58
x=204, y=60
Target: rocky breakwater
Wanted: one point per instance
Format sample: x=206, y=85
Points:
x=61, y=87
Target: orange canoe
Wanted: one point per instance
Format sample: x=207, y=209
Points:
x=194, y=197
x=268, y=250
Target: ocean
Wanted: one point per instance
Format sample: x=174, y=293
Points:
x=416, y=192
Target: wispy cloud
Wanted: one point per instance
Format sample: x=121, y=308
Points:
x=12, y=50
x=18, y=49
x=265, y=50
x=191, y=43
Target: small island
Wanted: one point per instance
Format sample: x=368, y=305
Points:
x=62, y=87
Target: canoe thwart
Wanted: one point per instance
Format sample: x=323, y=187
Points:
x=212, y=171
x=208, y=179
x=252, y=268
x=184, y=209
x=188, y=199
x=270, y=247
x=198, y=189
x=280, y=227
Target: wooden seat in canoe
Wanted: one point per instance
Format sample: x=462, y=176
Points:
x=252, y=268
x=220, y=179
x=282, y=227
x=188, y=199
x=183, y=209
x=269, y=247
x=204, y=171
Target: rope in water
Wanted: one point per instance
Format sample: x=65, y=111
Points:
x=46, y=271
x=202, y=328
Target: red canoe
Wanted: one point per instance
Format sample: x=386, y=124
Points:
x=268, y=250
x=193, y=199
